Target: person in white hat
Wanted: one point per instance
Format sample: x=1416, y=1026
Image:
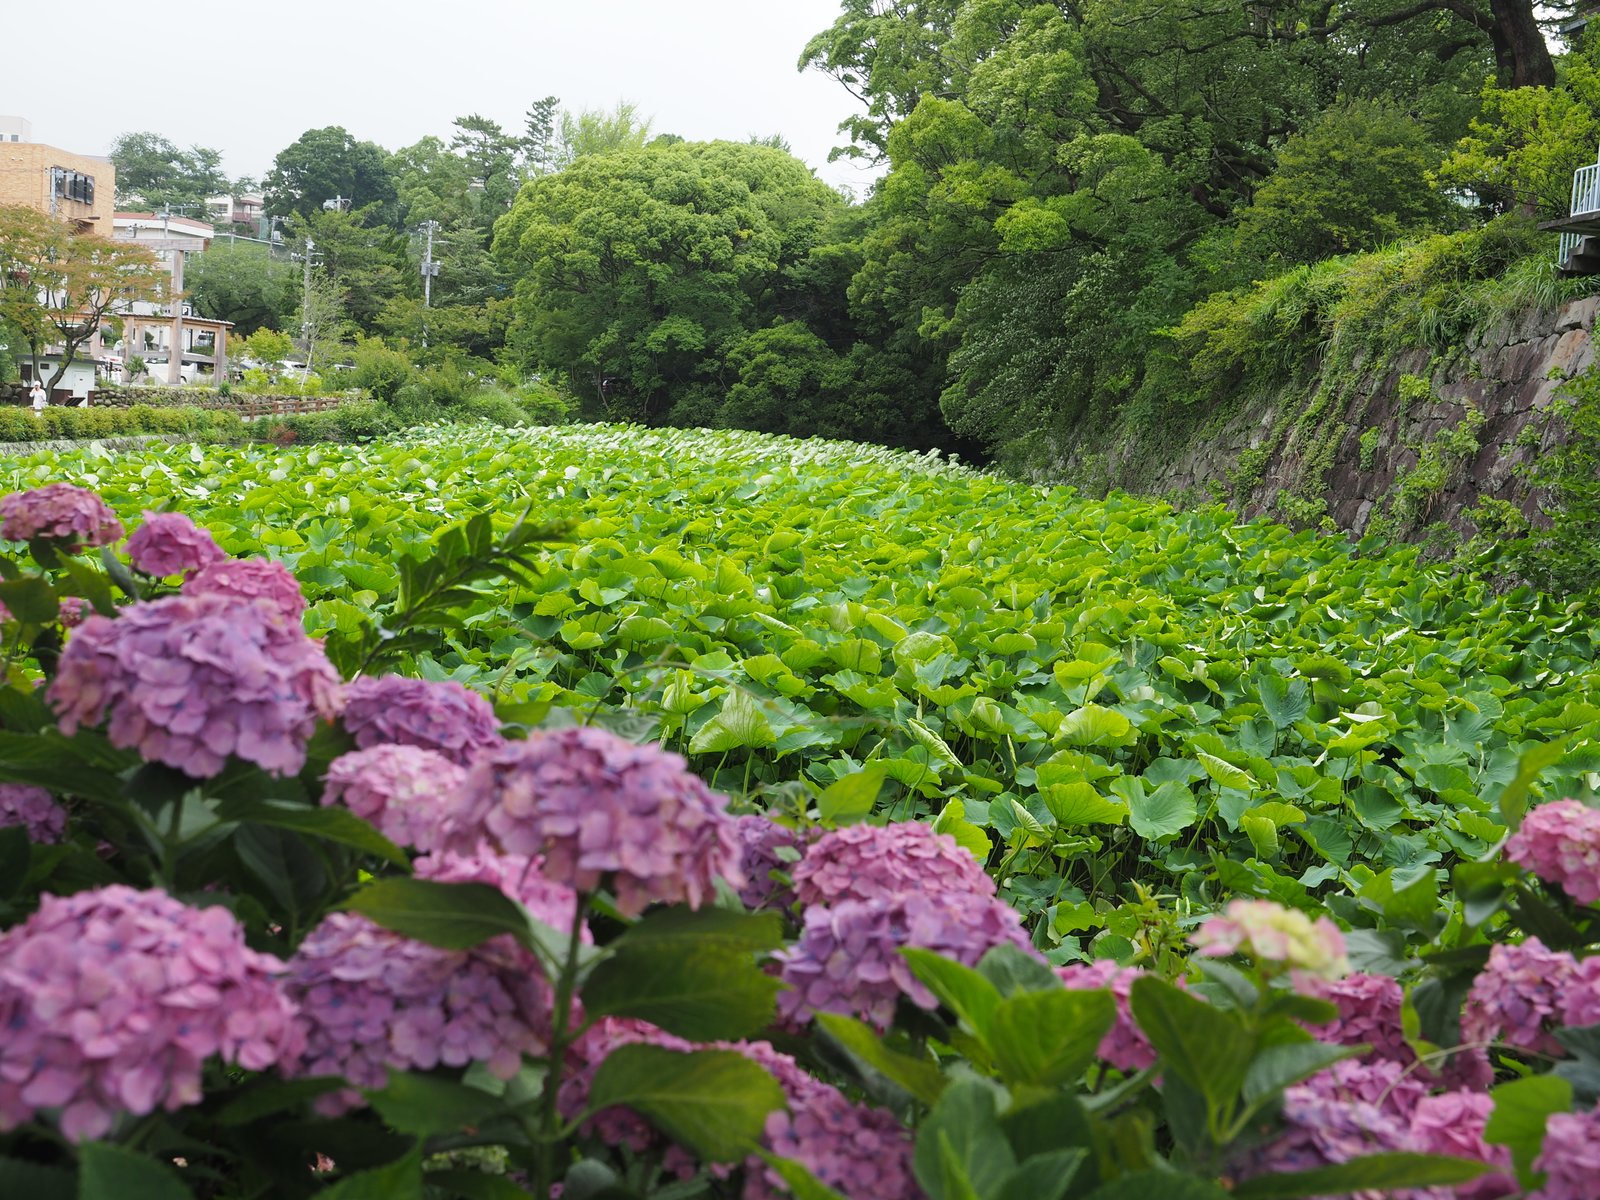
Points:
x=40, y=400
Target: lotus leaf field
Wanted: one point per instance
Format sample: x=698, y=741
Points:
x=1086, y=695
x=691, y=814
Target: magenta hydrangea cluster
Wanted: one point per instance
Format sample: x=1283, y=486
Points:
x=1570, y=1157
x=847, y=959
x=189, y=680
x=112, y=1000
x=250, y=579
x=760, y=840
x=442, y=716
x=1560, y=843
x=34, y=809
x=1452, y=1123
x=870, y=862
x=169, y=543
x=71, y=517
x=602, y=810
x=73, y=611
x=1519, y=997
x=1124, y=1045
x=405, y=792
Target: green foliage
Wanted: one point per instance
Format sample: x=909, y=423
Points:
x=155, y=174
x=322, y=164
x=1353, y=180
x=379, y=370
x=1370, y=440
x=241, y=282
x=70, y=423
x=1563, y=556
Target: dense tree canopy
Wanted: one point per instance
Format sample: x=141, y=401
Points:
x=154, y=172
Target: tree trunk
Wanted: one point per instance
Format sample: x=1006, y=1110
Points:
x=1521, y=57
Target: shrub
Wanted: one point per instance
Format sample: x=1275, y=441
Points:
x=380, y=371
x=495, y=405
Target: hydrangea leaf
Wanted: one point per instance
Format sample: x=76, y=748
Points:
x=111, y=1172
x=713, y=1101
x=704, y=993
x=1385, y=1173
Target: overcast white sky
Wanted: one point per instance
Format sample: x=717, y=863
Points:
x=247, y=79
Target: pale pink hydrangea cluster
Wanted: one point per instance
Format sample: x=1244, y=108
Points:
x=848, y=958
x=1453, y=1123
x=1570, y=1157
x=405, y=792
x=853, y=1148
x=113, y=999
x=441, y=716
x=169, y=543
x=1369, y=1012
x=189, y=680
x=250, y=579
x=600, y=809
x=760, y=839
x=1274, y=937
x=871, y=862
x=1560, y=843
x=1519, y=997
x=34, y=809
x=1124, y=1045
x=69, y=516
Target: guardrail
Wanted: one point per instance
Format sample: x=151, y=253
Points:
x=1585, y=199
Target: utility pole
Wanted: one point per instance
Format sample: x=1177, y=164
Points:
x=305, y=312
x=429, y=267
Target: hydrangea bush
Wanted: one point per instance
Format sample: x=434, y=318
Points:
x=273, y=927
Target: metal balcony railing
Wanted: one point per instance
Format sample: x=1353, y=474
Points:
x=1585, y=199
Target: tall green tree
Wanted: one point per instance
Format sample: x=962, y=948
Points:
x=328, y=163
x=242, y=282
x=153, y=171
x=636, y=269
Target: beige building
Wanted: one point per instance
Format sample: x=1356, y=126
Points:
x=75, y=187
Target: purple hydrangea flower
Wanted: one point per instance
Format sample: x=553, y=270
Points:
x=34, y=809
x=1570, y=1157
x=406, y=792
x=70, y=516
x=371, y=999
x=759, y=841
x=1452, y=1123
x=73, y=611
x=1560, y=843
x=443, y=716
x=189, y=680
x=1369, y=1011
x=113, y=999
x=1517, y=997
x=169, y=543
x=1124, y=1045
x=250, y=579
x=848, y=957
x=602, y=809
x=866, y=862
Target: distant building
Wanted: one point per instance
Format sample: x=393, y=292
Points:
x=247, y=210
x=150, y=331
x=79, y=188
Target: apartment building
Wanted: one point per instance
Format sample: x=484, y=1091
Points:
x=80, y=188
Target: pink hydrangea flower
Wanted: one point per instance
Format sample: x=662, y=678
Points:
x=1580, y=994
x=73, y=611
x=1273, y=935
x=1369, y=1011
x=600, y=809
x=1124, y=1045
x=406, y=792
x=1570, y=1157
x=443, y=716
x=848, y=957
x=1517, y=997
x=250, y=579
x=759, y=842
x=1452, y=1123
x=1560, y=843
x=853, y=1148
x=190, y=679
x=866, y=862
x=371, y=999
x=34, y=809
x=112, y=1000
x=169, y=543
x=69, y=516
